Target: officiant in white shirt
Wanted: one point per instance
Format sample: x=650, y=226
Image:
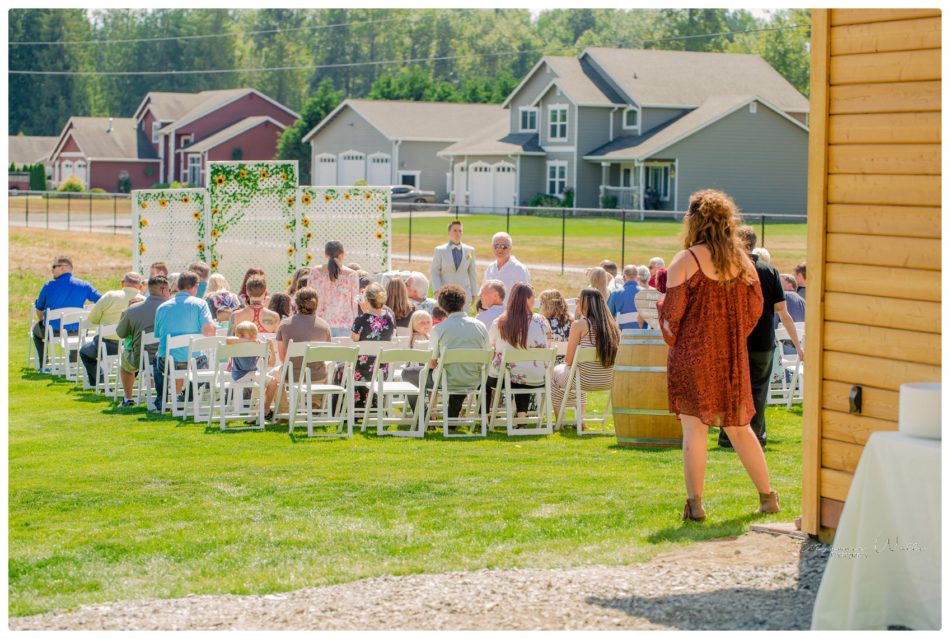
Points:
x=454, y=263
x=506, y=267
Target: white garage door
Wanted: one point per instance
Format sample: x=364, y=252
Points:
x=379, y=170
x=325, y=172
x=352, y=168
x=504, y=187
x=480, y=186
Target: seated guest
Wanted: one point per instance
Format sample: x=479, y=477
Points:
x=646, y=300
x=337, y=288
x=158, y=268
x=183, y=314
x=458, y=330
x=280, y=304
x=219, y=295
x=492, y=298
x=800, y=278
x=266, y=320
x=106, y=311
x=763, y=254
x=251, y=272
x=554, y=310
x=656, y=265
x=593, y=327
x=794, y=303
x=417, y=286
x=139, y=319
x=173, y=283
x=600, y=279
x=63, y=291
x=376, y=323
x=611, y=267
x=397, y=298
x=242, y=366
x=518, y=328
x=421, y=326
x=438, y=315
x=622, y=304
x=354, y=266
x=202, y=270
x=297, y=282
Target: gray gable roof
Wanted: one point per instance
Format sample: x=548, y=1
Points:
x=495, y=140
x=30, y=149
x=687, y=78
x=232, y=131
x=123, y=141
x=642, y=147
x=582, y=84
x=419, y=121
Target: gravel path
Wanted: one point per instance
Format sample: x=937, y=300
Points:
x=758, y=581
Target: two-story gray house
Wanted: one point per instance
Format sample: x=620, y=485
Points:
x=392, y=142
x=632, y=127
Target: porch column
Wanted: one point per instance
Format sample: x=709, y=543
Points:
x=604, y=179
x=642, y=185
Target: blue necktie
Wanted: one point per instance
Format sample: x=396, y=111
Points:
x=457, y=255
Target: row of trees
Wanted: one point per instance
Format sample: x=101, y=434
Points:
x=421, y=54
x=37, y=174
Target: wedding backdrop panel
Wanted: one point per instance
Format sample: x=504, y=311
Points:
x=255, y=214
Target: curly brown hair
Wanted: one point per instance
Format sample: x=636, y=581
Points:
x=711, y=219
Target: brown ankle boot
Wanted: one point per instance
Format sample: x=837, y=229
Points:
x=694, y=511
x=768, y=502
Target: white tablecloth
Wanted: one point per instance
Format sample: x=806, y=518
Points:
x=884, y=568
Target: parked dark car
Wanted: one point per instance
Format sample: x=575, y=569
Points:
x=402, y=194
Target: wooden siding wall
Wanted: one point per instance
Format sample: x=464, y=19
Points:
x=874, y=236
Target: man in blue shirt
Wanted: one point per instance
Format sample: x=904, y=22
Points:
x=63, y=291
x=184, y=314
x=621, y=303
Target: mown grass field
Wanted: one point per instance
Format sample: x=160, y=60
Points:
x=108, y=504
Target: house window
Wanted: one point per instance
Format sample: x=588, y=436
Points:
x=631, y=118
x=658, y=178
x=155, y=128
x=557, y=177
x=625, y=177
x=557, y=122
x=410, y=178
x=529, y=119
x=186, y=140
x=194, y=170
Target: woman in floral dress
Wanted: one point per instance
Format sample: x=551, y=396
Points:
x=519, y=328
x=376, y=324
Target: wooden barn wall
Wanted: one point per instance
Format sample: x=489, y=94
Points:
x=874, y=236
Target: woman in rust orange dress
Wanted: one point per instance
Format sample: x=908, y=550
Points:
x=713, y=301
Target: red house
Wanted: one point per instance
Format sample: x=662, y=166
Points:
x=170, y=137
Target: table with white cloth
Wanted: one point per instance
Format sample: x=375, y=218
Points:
x=884, y=568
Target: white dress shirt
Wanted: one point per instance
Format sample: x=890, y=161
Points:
x=511, y=273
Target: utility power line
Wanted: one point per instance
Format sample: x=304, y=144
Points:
x=341, y=65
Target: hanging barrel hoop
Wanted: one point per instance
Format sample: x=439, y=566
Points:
x=639, y=396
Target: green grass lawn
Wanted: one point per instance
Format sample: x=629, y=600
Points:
x=108, y=504
x=588, y=240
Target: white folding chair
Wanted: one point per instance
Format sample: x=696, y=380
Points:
x=400, y=341
x=198, y=388
x=227, y=395
x=55, y=353
x=542, y=394
x=303, y=391
x=107, y=366
x=343, y=340
x=403, y=331
x=174, y=375
x=440, y=383
x=582, y=355
x=32, y=357
x=144, y=384
x=384, y=388
x=789, y=370
x=422, y=345
x=367, y=348
x=70, y=344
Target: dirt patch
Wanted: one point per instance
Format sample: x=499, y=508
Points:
x=757, y=581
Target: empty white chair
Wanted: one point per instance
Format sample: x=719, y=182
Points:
x=542, y=394
x=302, y=393
x=228, y=400
x=440, y=383
x=384, y=388
x=582, y=355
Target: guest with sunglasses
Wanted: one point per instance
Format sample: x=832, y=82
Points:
x=63, y=291
x=506, y=266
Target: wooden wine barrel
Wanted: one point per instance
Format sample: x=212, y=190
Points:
x=640, y=406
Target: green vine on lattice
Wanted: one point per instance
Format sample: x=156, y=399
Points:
x=233, y=184
x=158, y=200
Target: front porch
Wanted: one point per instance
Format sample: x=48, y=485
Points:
x=641, y=186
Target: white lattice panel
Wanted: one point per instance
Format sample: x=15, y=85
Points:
x=253, y=220
x=358, y=216
x=168, y=225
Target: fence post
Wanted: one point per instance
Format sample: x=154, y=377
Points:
x=47, y=210
x=27, y=209
x=69, y=208
x=90, y=212
x=508, y=219
x=762, y=217
x=623, y=236
x=410, y=233
x=563, y=234
x=115, y=219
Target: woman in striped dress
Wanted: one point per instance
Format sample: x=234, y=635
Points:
x=593, y=327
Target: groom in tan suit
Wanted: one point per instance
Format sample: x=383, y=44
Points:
x=454, y=263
